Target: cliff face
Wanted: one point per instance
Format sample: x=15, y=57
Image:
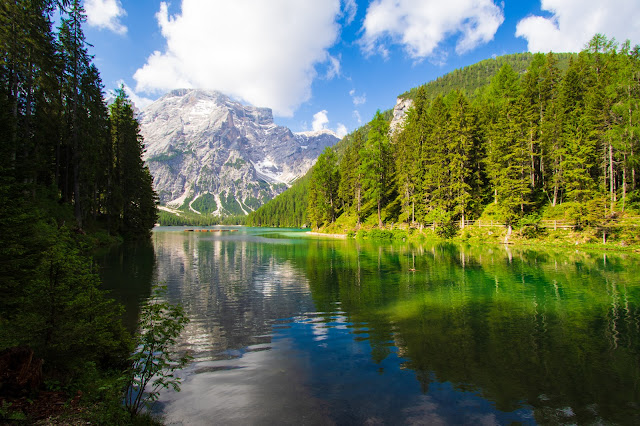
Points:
x=400, y=111
x=210, y=154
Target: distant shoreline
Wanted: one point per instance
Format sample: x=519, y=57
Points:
x=321, y=234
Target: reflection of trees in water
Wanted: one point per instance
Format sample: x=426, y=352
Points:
x=232, y=289
x=557, y=331
x=127, y=272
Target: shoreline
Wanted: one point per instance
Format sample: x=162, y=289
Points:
x=322, y=234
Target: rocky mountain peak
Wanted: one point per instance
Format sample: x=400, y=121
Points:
x=211, y=154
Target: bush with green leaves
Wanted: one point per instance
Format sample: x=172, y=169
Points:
x=530, y=226
x=154, y=362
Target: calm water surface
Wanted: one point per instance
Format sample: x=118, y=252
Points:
x=290, y=329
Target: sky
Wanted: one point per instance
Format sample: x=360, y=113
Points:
x=328, y=64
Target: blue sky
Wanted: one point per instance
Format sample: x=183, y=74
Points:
x=328, y=63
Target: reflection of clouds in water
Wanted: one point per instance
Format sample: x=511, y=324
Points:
x=277, y=277
x=265, y=387
x=423, y=412
x=320, y=331
x=232, y=290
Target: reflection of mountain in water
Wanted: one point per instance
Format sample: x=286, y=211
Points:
x=399, y=334
x=232, y=289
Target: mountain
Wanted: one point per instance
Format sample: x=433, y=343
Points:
x=211, y=154
x=289, y=208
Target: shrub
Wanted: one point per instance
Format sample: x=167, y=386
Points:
x=361, y=234
x=153, y=363
x=400, y=234
x=380, y=234
x=530, y=226
x=447, y=230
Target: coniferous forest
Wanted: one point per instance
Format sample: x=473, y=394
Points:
x=558, y=139
x=71, y=178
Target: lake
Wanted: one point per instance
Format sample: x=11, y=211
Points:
x=291, y=329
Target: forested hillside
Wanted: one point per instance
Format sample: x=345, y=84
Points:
x=71, y=175
x=288, y=210
x=473, y=78
x=527, y=144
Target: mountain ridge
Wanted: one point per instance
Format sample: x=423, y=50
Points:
x=209, y=154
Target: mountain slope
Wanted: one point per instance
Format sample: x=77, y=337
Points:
x=472, y=80
x=210, y=154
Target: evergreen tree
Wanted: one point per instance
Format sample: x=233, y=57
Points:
x=132, y=209
x=436, y=190
x=375, y=166
x=508, y=160
x=350, y=185
x=76, y=60
x=408, y=156
x=323, y=189
x=550, y=127
x=579, y=150
x=463, y=152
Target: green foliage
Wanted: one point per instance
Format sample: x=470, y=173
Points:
x=501, y=140
x=194, y=219
x=133, y=211
x=71, y=177
x=230, y=204
x=288, y=209
x=375, y=164
x=530, y=226
x=379, y=234
x=323, y=190
x=474, y=78
x=206, y=203
x=153, y=362
x=8, y=415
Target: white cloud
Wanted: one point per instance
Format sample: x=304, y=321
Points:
x=349, y=11
x=341, y=131
x=573, y=23
x=262, y=52
x=421, y=25
x=334, y=68
x=357, y=99
x=320, y=120
x=138, y=101
x=356, y=115
x=105, y=14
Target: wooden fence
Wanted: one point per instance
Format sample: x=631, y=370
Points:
x=549, y=224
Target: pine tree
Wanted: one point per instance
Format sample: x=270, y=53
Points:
x=579, y=150
x=323, y=189
x=625, y=115
x=350, y=185
x=462, y=155
x=436, y=184
x=408, y=155
x=550, y=129
x=375, y=166
x=508, y=160
x=132, y=207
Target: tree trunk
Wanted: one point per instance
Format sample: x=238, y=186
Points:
x=611, y=183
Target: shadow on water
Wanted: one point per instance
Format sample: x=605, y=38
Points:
x=127, y=272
